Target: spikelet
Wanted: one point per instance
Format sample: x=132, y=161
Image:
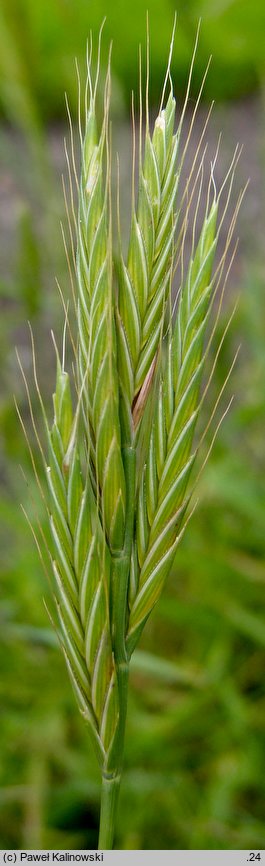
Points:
x=161, y=502
x=81, y=566
x=97, y=339
x=144, y=282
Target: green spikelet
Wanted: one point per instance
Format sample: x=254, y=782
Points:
x=145, y=280
x=81, y=566
x=97, y=338
x=162, y=500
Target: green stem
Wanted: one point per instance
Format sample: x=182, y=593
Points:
x=121, y=564
x=120, y=576
x=108, y=807
x=129, y=461
x=111, y=776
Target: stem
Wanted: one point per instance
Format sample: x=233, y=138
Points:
x=120, y=576
x=111, y=777
x=108, y=807
x=121, y=564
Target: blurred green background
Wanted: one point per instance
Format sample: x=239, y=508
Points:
x=194, y=762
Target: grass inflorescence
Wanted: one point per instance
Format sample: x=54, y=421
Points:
x=122, y=447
